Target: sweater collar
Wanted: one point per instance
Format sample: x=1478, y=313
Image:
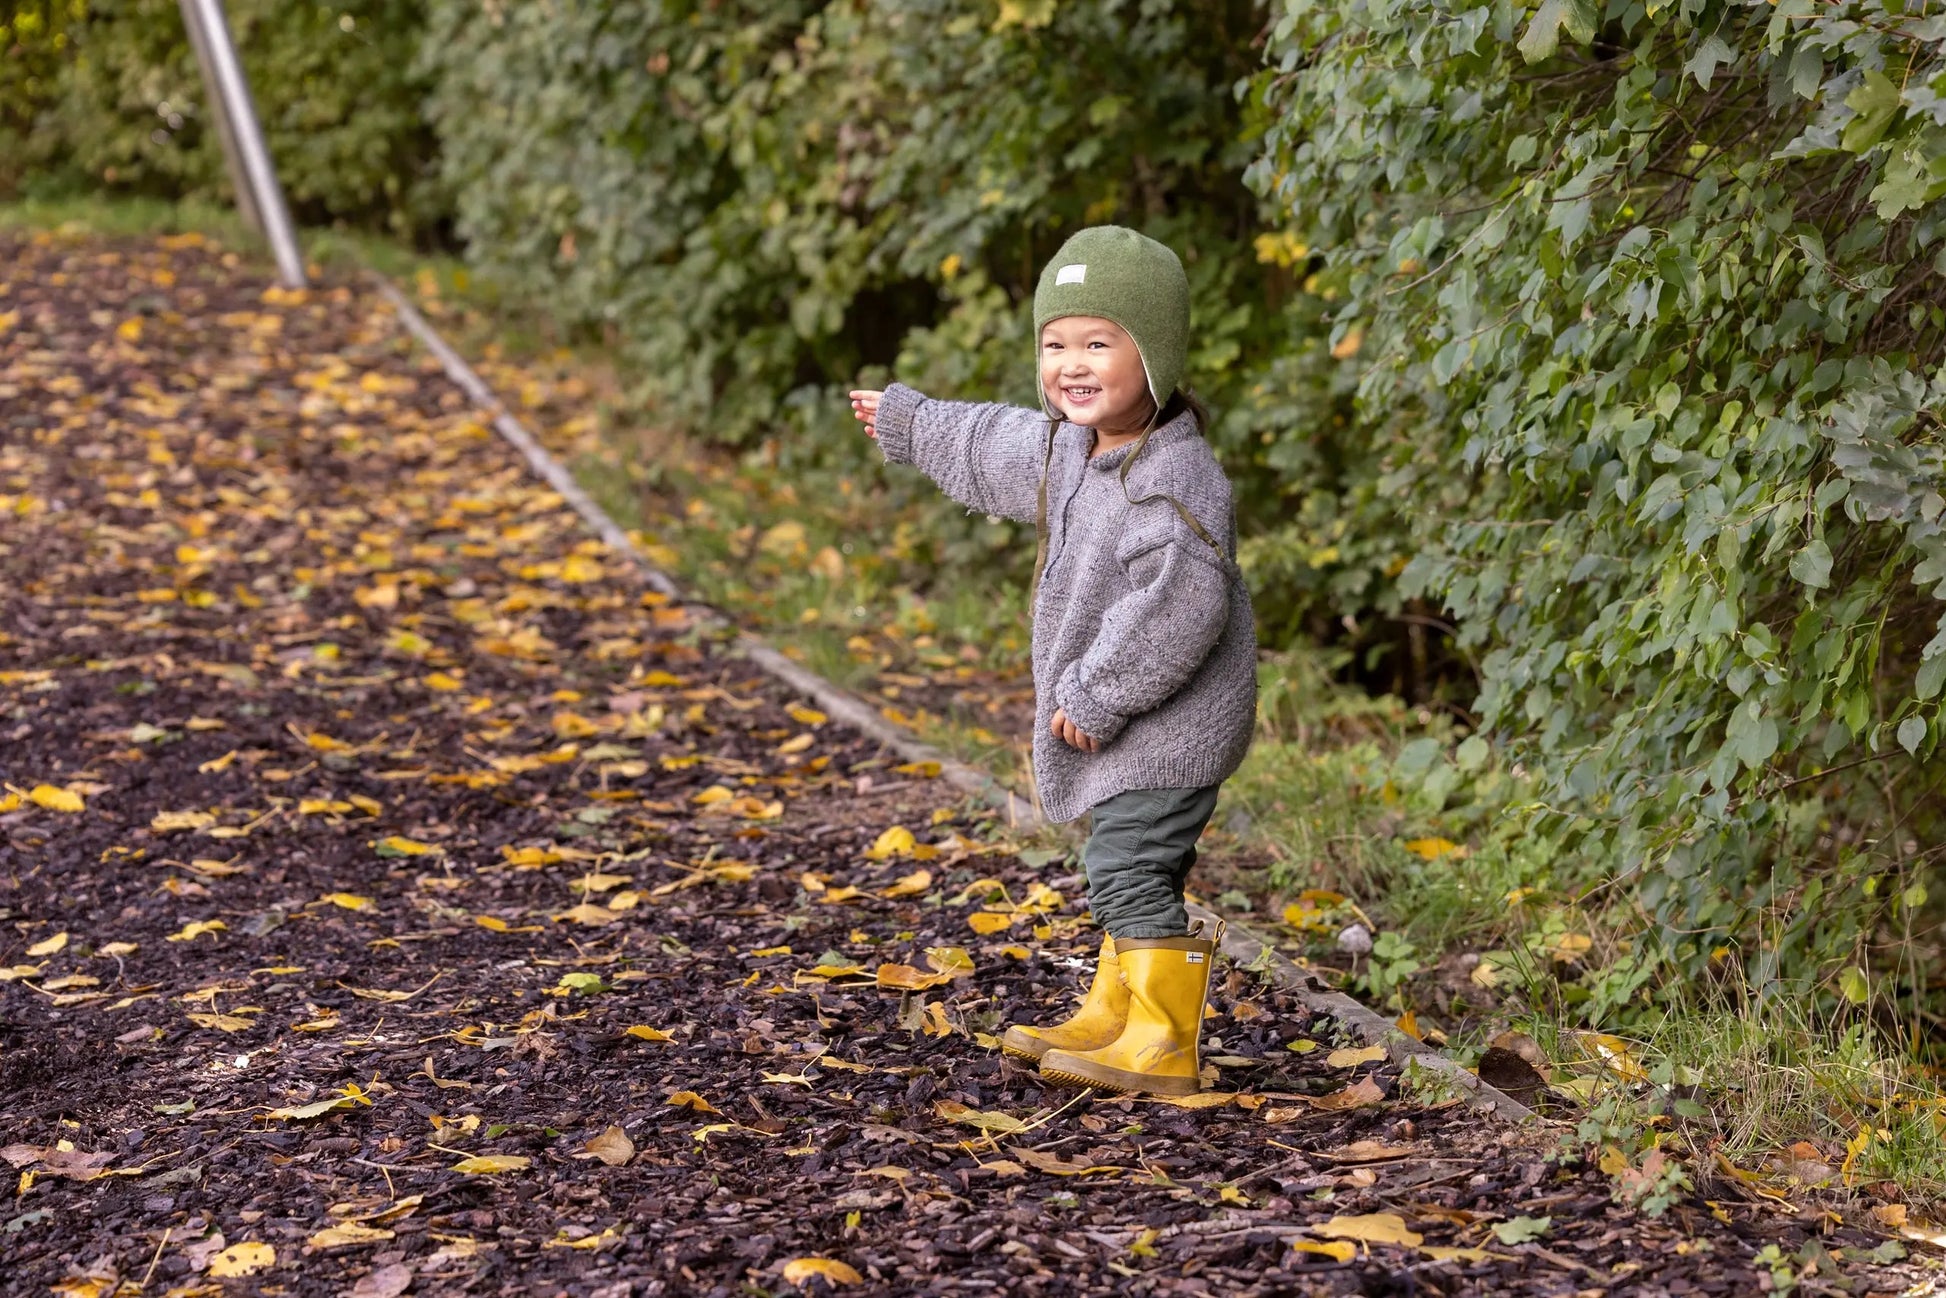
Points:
x=1181, y=428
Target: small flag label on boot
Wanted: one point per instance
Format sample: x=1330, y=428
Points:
x=1193, y=957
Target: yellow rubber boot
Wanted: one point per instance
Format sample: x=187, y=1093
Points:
x=1168, y=981
x=1099, y=1021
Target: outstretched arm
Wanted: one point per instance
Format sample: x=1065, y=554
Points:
x=987, y=456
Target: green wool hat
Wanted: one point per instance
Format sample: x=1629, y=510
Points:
x=1112, y=272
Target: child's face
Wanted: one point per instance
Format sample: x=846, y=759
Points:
x=1092, y=373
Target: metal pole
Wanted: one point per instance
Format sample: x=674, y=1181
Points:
x=246, y=202
x=234, y=92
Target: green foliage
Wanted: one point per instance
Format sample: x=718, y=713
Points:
x=1649, y=338
x=762, y=198
x=107, y=93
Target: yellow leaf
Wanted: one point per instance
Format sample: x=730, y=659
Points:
x=444, y=682
x=350, y=1232
x=528, y=858
x=491, y=923
x=904, y=977
x=216, y=764
x=322, y=807
x=349, y=901
x=1408, y=1023
x=220, y=1022
x=911, y=885
x=1350, y=1058
x=643, y=1032
x=572, y=725
x=196, y=928
x=714, y=794
x=896, y=841
x=46, y=795
x=801, y=1269
x=48, y=946
x=1302, y=1046
x=1372, y=1228
x=1339, y=1250
x=1613, y=1161
x=579, y=568
x=806, y=716
x=1431, y=849
x=919, y=770
x=797, y=745
x=395, y=845
x=130, y=331
x=492, y=1164
x=9, y=802
x=986, y=922
x=691, y=1100
x=1347, y=347
x=1569, y=947
x=587, y=913
x=246, y=1258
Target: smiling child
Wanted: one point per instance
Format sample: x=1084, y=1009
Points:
x=1144, y=650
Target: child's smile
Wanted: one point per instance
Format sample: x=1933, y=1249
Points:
x=1092, y=373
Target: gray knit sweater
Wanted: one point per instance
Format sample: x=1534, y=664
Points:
x=1142, y=632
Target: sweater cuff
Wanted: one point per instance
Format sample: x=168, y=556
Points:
x=896, y=410
x=1097, y=721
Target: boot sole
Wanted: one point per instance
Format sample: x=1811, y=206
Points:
x=1019, y=1045
x=1118, y=1079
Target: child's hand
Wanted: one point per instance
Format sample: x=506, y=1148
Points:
x=864, y=404
x=1070, y=733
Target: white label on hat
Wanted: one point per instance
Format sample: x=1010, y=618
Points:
x=1075, y=274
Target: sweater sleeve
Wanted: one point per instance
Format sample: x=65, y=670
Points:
x=1152, y=640
x=986, y=456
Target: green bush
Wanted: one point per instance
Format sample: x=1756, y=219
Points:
x=1647, y=308
x=106, y=94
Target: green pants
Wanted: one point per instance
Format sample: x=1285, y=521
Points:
x=1141, y=845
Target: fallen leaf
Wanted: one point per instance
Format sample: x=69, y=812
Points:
x=986, y=922
x=55, y=799
x=904, y=977
x=1348, y=1057
x=612, y=1147
x=691, y=1100
x=492, y=1164
x=1431, y=849
x=911, y=885
x=243, y=1259
x=1521, y=1230
x=196, y=928
x=800, y=1270
x=220, y=1022
x=349, y=901
x=1337, y=1250
x=49, y=945
x=643, y=1032
x=896, y=841
x=395, y=845
x=1360, y=1094
x=350, y=1232
x=954, y=1111
x=1371, y=1228
x=388, y=1281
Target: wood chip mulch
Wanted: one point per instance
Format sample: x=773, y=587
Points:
x=397, y=899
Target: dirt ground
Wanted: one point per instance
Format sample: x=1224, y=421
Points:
x=399, y=899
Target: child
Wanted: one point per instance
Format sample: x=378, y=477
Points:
x=1144, y=650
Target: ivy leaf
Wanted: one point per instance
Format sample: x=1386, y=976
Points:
x=1543, y=35
x=1812, y=565
x=1522, y=1230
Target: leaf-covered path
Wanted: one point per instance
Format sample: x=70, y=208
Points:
x=399, y=898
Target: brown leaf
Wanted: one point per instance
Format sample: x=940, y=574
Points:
x=612, y=1147
x=1360, y=1094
